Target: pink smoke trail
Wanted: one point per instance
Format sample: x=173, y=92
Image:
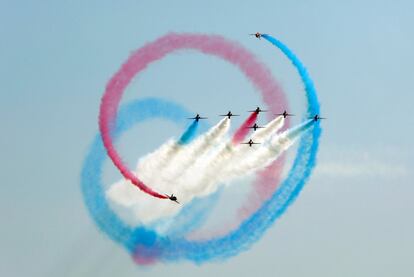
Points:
x=255, y=71
x=243, y=130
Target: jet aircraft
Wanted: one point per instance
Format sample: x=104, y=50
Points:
x=285, y=114
x=229, y=114
x=250, y=143
x=257, y=35
x=258, y=110
x=172, y=198
x=197, y=117
x=255, y=127
x=316, y=118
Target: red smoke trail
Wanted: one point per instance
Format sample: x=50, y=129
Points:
x=254, y=70
x=244, y=129
x=107, y=140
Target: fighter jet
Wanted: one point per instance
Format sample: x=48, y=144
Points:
x=285, y=114
x=172, y=198
x=250, y=143
x=257, y=35
x=255, y=127
x=229, y=114
x=257, y=110
x=197, y=117
x=316, y=118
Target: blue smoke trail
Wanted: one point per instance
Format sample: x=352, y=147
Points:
x=313, y=103
x=296, y=131
x=254, y=227
x=191, y=217
x=93, y=189
x=168, y=248
x=189, y=134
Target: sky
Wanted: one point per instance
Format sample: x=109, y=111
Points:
x=351, y=219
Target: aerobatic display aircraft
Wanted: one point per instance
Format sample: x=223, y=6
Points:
x=255, y=127
x=250, y=143
x=229, y=114
x=316, y=118
x=197, y=117
x=257, y=35
x=258, y=110
x=285, y=114
x=172, y=198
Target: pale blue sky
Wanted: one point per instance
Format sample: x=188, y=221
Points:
x=352, y=219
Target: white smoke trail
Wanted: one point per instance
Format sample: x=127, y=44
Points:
x=197, y=169
x=231, y=155
x=200, y=147
x=173, y=158
x=263, y=156
x=245, y=160
x=269, y=129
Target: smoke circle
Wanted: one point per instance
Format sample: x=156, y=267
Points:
x=145, y=244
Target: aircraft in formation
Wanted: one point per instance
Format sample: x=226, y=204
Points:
x=229, y=114
x=255, y=127
x=316, y=117
x=197, y=117
x=285, y=114
x=257, y=35
x=257, y=110
x=250, y=142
